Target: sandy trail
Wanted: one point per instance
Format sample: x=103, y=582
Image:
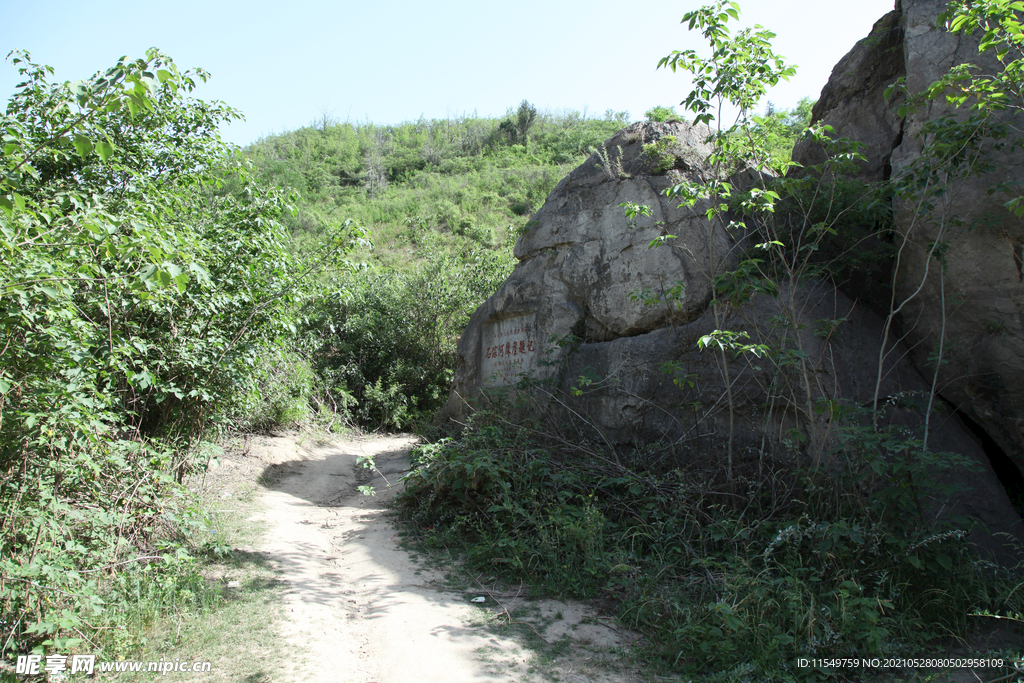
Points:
x=360, y=609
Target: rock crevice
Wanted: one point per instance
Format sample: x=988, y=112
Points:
x=981, y=327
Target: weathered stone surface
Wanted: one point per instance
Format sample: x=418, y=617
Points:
x=580, y=263
x=638, y=402
x=981, y=325
x=853, y=99
x=574, y=312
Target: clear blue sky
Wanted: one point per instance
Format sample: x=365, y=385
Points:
x=395, y=60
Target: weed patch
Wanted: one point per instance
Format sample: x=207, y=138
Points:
x=793, y=563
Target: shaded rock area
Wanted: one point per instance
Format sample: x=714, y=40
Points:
x=853, y=99
x=981, y=325
x=613, y=327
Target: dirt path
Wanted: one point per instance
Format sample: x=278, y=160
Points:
x=359, y=608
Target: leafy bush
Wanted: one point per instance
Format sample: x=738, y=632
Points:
x=662, y=114
x=386, y=342
x=658, y=154
x=144, y=275
x=283, y=390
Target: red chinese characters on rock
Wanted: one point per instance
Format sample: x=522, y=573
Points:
x=518, y=347
x=507, y=351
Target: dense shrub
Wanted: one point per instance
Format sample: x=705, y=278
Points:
x=144, y=275
x=385, y=343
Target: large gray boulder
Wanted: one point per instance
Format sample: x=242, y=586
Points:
x=584, y=270
x=590, y=311
x=981, y=325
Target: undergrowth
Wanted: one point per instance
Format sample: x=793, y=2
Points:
x=384, y=346
x=796, y=563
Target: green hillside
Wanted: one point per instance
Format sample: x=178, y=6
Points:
x=472, y=181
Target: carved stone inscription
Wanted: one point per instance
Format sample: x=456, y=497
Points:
x=508, y=348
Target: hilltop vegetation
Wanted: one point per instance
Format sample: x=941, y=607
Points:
x=473, y=181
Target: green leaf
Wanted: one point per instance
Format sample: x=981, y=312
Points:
x=104, y=149
x=200, y=272
x=83, y=145
x=5, y=386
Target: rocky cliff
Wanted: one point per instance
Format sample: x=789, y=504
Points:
x=966, y=297
x=611, y=328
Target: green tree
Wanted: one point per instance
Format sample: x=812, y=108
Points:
x=798, y=119
x=661, y=114
x=518, y=127
x=739, y=72
x=143, y=274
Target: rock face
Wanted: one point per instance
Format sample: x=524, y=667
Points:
x=857, y=88
x=582, y=265
x=614, y=327
x=974, y=306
